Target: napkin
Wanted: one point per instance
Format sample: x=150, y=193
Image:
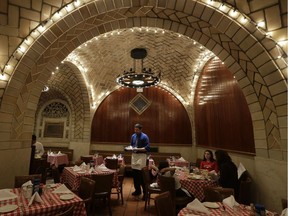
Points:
x=76, y=168
x=59, y=152
x=91, y=170
x=36, y=197
x=62, y=189
x=241, y=169
x=196, y=205
x=102, y=167
x=6, y=194
x=154, y=185
x=230, y=201
x=181, y=159
x=27, y=183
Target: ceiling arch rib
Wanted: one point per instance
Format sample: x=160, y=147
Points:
x=67, y=23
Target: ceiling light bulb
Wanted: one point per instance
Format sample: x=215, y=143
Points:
x=261, y=24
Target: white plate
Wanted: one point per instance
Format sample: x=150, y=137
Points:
x=67, y=196
x=8, y=208
x=81, y=172
x=210, y=204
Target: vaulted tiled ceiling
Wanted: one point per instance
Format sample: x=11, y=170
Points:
x=104, y=57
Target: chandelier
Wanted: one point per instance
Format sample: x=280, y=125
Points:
x=143, y=78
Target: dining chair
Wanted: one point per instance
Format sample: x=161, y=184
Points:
x=245, y=189
x=164, y=205
x=111, y=163
x=87, y=159
x=55, y=174
x=118, y=189
x=284, y=203
x=103, y=186
x=217, y=194
x=168, y=184
x=67, y=212
x=149, y=190
x=86, y=192
x=20, y=180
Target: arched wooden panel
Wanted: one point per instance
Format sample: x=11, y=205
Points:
x=165, y=120
x=222, y=116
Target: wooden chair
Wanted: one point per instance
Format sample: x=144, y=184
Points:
x=217, y=194
x=284, y=203
x=118, y=189
x=164, y=205
x=103, y=188
x=245, y=189
x=20, y=180
x=55, y=174
x=111, y=163
x=67, y=212
x=86, y=159
x=86, y=192
x=168, y=184
x=149, y=190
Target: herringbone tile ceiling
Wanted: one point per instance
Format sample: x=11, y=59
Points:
x=104, y=57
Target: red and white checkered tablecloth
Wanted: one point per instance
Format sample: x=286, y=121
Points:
x=57, y=159
x=242, y=210
x=73, y=178
x=51, y=204
x=178, y=163
x=195, y=186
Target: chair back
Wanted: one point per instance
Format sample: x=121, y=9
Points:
x=111, y=163
x=103, y=183
x=87, y=159
x=164, y=205
x=146, y=175
x=86, y=188
x=86, y=191
x=168, y=184
x=217, y=194
x=67, y=212
x=20, y=180
x=55, y=174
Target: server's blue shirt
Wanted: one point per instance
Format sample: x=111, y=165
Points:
x=143, y=141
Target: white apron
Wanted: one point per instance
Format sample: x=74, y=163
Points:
x=138, y=161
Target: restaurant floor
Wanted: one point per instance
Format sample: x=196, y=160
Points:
x=132, y=205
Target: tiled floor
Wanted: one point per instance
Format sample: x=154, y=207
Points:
x=132, y=205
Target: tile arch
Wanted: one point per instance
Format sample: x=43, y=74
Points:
x=217, y=48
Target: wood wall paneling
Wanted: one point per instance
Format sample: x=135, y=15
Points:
x=165, y=120
x=222, y=116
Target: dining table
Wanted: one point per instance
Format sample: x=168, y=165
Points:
x=52, y=204
x=73, y=178
x=195, y=185
x=57, y=159
x=121, y=161
x=222, y=210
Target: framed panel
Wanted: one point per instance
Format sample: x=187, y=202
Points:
x=54, y=129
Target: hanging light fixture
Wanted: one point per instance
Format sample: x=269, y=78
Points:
x=143, y=78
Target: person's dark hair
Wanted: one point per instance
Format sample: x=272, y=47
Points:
x=211, y=153
x=33, y=137
x=222, y=156
x=162, y=165
x=138, y=126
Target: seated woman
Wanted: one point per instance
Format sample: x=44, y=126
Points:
x=165, y=170
x=208, y=162
x=228, y=171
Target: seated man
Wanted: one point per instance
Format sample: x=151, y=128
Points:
x=39, y=149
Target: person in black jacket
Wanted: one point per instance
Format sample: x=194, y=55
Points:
x=228, y=172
